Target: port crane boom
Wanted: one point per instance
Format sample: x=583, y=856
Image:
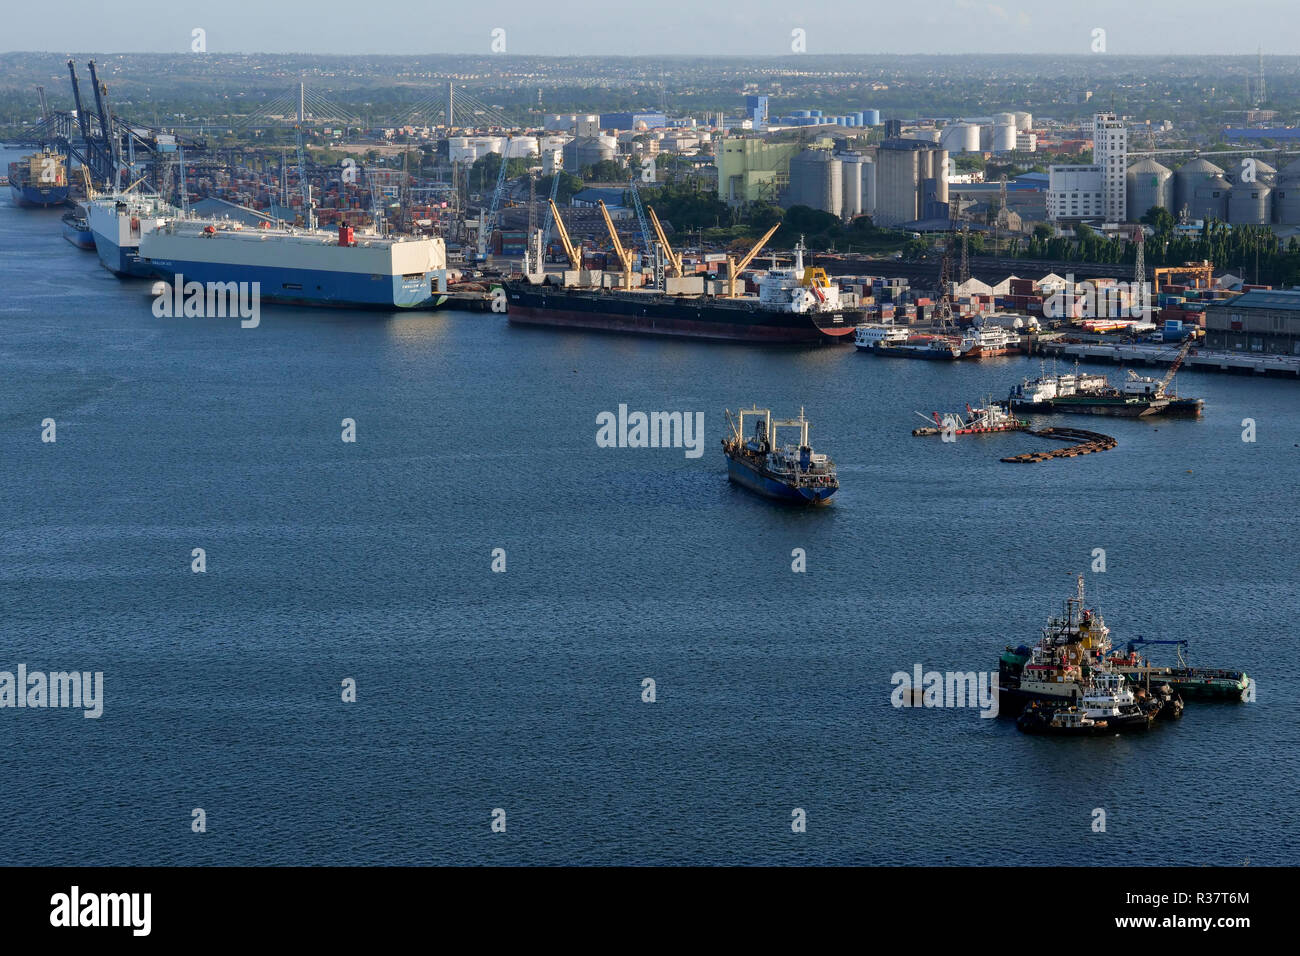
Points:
x=1173, y=369
x=624, y=255
x=674, y=261
x=575, y=260
x=734, y=268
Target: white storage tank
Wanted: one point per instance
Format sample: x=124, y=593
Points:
x=1024, y=121
x=960, y=138
x=1004, y=137
x=1004, y=119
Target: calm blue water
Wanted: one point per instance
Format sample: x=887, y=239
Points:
x=522, y=690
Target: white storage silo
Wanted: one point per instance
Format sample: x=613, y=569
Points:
x=1004, y=137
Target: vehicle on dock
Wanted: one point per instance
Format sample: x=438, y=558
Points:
x=789, y=473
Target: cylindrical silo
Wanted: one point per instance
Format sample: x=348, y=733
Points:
x=1004, y=137
x=871, y=117
x=1149, y=184
x=1024, y=121
x=1210, y=199
x=1238, y=170
x=816, y=181
x=960, y=138
x=986, y=139
x=1250, y=204
x=1286, y=195
x=851, y=179
x=868, y=186
x=1003, y=119
x=1187, y=179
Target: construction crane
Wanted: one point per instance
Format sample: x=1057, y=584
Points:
x=1197, y=271
x=489, y=221
x=734, y=268
x=672, y=260
x=575, y=257
x=625, y=256
x=1173, y=368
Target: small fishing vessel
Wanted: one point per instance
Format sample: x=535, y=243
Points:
x=991, y=417
x=988, y=341
x=790, y=473
x=1069, y=721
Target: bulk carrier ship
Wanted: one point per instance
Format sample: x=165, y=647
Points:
x=796, y=306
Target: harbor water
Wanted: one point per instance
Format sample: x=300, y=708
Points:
x=523, y=690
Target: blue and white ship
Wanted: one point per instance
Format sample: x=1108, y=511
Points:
x=118, y=221
x=76, y=228
x=789, y=473
x=301, y=266
x=38, y=180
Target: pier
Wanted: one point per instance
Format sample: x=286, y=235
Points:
x=1255, y=363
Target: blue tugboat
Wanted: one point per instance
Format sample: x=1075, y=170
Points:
x=789, y=473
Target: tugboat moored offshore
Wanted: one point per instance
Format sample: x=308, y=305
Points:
x=791, y=473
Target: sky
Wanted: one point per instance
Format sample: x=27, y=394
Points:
x=655, y=27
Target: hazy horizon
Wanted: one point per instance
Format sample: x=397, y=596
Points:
x=663, y=28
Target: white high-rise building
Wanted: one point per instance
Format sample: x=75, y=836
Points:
x=1110, y=155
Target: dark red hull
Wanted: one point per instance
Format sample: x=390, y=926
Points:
x=703, y=320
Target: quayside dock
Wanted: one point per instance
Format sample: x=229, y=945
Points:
x=1251, y=363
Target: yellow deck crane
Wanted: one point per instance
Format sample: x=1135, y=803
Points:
x=734, y=268
x=674, y=263
x=625, y=256
x=575, y=257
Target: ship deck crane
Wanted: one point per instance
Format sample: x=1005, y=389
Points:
x=575, y=258
x=1173, y=368
x=625, y=256
x=734, y=268
x=673, y=260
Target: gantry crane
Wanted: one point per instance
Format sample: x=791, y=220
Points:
x=672, y=260
x=625, y=256
x=734, y=268
x=1197, y=271
x=575, y=257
